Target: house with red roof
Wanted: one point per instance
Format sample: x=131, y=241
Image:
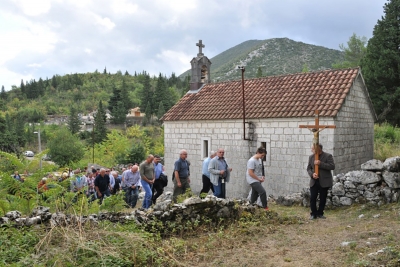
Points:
x=240, y=117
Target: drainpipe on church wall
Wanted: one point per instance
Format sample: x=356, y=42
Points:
x=244, y=106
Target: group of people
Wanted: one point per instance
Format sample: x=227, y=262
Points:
x=19, y=177
x=150, y=177
x=146, y=176
x=216, y=172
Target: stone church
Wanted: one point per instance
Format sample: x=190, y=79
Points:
x=242, y=115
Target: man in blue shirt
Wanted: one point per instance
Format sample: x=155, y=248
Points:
x=131, y=185
x=220, y=173
x=17, y=176
x=181, y=175
x=158, y=186
x=207, y=185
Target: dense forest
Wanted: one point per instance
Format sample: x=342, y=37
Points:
x=35, y=99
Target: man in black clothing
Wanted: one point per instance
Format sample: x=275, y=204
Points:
x=319, y=183
x=158, y=186
x=102, y=185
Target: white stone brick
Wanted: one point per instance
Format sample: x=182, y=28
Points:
x=278, y=130
x=288, y=130
x=274, y=137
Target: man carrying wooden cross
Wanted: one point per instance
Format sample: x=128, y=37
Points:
x=320, y=165
x=319, y=183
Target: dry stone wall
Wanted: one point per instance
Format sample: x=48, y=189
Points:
x=164, y=215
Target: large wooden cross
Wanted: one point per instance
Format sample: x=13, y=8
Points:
x=316, y=129
x=200, y=45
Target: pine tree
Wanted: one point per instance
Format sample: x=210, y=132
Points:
x=259, y=72
x=3, y=94
x=305, y=68
x=353, y=53
x=147, y=116
x=119, y=103
x=8, y=140
x=114, y=99
x=74, y=124
x=173, y=80
x=146, y=94
x=125, y=96
x=40, y=87
x=100, y=130
x=28, y=90
x=160, y=94
x=381, y=65
x=32, y=90
x=19, y=125
x=105, y=70
x=126, y=73
x=161, y=110
x=119, y=113
x=23, y=87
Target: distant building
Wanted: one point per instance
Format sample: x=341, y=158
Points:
x=134, y=117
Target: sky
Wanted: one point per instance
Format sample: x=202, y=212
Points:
x=41, y=38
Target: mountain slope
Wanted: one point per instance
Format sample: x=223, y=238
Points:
x=274, y=56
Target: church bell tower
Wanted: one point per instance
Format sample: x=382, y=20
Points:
x=200, y=69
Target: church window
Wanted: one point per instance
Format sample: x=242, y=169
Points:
x=205, y=147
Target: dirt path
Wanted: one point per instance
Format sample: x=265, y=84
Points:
x=308, y=243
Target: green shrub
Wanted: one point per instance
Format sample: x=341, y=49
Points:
x=386, y=141
x=386, y=132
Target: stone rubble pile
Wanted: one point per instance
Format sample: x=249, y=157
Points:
x=193, y=210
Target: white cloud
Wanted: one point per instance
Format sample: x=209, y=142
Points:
x=177, y=61
x=34, y=8
x=24, y=36
x=103, y=22
x=88, y=51
x=177, y=7
x=123, y=7
x=34, y=65
x=78, y=3
x=9, y=78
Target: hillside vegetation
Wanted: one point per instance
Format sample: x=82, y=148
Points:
x=273, y=56
x=33, y=100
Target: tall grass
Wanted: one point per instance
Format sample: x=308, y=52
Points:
x=386, y=141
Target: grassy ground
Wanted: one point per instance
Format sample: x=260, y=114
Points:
x=290, y=239
x=282, y=237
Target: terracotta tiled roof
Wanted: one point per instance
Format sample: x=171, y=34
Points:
x=294, y=95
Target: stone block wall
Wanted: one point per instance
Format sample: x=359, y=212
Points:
x=354, y=138
x=189, y=135
x=288, y=149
